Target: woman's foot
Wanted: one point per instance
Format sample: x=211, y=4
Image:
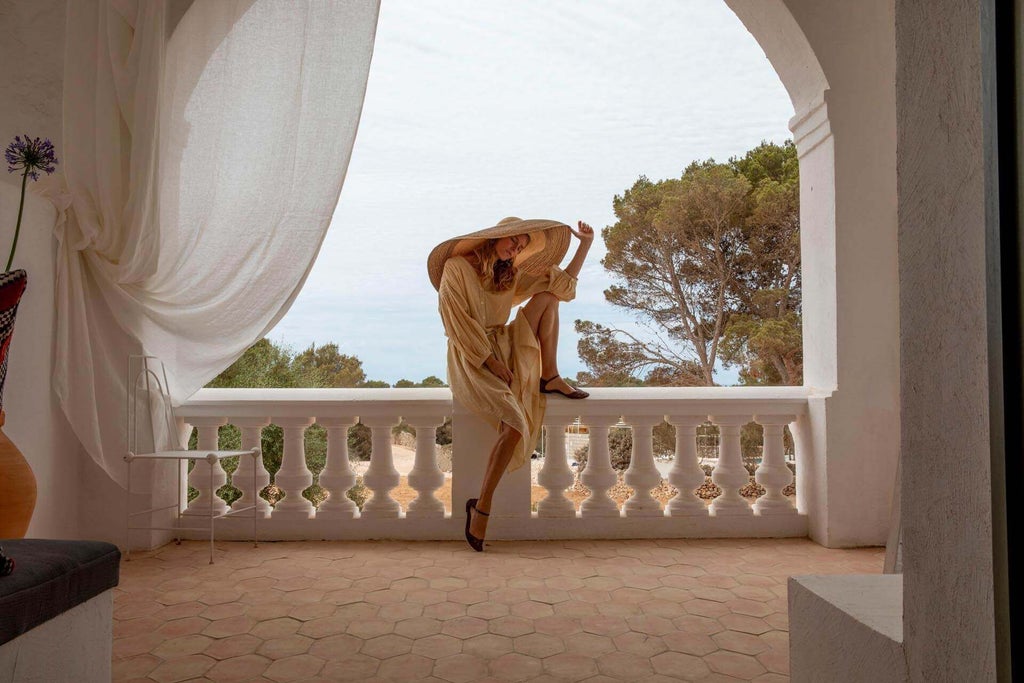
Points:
x=476, y=525
x=557, y=385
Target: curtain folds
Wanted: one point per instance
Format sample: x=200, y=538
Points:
x=203, y=166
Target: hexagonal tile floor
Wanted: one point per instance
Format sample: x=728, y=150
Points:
x=668, y=610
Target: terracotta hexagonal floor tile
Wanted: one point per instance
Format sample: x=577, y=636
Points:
x=223, y=611
x=183, y=627
x=565, y=583
x=182, y=646
x=531, y=609
x=323, y=627
x=741, y=622
x=662, y=608
x=390, y=645
x=335, y=647
x=437, y=647
x=697, y=644
x=134, y=667
x=464, y=627
x=368, y=628
x=233, y=646
x=558, y=626
x=180, y=611
x=406, y=668
x=510, y=626
x=132, y=646
x=311, y=610
x=182, y=669
x=589, y=644
x=487, y=610
x=487, y=646
x=539, y=645
x=444, y=610
x=571, y=666
x=418, y=627
x=355, y=667
x=460, y=668
x=294, y=668
x=515, y=667
x=744, y=643
x=679, y=665
x=269, y=610
x=276, y=628
x=467, y=596
x=651, y=625
x=624, y=665
x=604, y=625
x=281, y=648
x=509, y=596
x=639, y=644
x=230, y=626
x=776, y=660
x=705, y=608
x=734, y=664
x=400, y=610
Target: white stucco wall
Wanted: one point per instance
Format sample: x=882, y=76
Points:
x=946, y=515
x=32, y=53
x=837, y=61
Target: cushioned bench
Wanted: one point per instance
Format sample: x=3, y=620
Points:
x=59, y=592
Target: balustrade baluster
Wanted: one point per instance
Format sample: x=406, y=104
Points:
x=199, y=477
x=337, y=476
x=426, y=477
x=294, y=476
x=598, y=475
x=242, y=478
x=555, y=474
x=730, y=474
x=686, y=474
x=773, y=474
x=381, y=476
x=642, y=475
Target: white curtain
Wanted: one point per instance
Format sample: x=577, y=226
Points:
x=202, y=167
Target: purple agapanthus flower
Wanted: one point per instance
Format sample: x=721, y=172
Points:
x=30, y=156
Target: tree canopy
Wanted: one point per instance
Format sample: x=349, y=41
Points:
x=709, y=263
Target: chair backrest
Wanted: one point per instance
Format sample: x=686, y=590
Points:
x=151, y=424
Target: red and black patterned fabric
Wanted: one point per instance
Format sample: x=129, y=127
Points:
x=12, y=287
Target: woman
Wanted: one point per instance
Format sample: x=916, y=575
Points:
x=499, y=370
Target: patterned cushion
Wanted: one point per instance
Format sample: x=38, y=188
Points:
x=12, y=286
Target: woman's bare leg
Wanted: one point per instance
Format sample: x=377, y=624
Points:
x=501, y=455
x=542, y=314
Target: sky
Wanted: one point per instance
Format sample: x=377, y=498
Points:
x=476, y=111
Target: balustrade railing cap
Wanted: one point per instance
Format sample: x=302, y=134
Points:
x=411, y=403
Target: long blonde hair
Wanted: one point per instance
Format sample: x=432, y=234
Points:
x=498, y=275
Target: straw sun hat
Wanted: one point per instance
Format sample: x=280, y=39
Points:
x=549, y=240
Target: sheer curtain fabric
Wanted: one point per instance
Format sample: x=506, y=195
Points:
x=203, y=163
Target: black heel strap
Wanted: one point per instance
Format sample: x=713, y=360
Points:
x=481, y=512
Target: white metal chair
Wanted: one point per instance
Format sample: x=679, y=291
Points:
x=152, y=434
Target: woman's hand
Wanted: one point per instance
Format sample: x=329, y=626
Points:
x=585, y=232
x=499, y=369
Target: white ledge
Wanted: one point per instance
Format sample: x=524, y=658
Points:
x=433, y=402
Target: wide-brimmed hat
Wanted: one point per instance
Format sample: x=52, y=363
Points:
x=549, y=240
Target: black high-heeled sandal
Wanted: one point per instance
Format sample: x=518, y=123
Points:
x=475, y=543
x=576, y=393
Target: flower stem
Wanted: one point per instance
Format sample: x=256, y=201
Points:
x=17, y=228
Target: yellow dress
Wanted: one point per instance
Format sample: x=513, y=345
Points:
x=475, y=324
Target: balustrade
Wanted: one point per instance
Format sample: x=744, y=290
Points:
x=598, y=516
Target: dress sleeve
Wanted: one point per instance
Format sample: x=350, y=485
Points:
x=556, y=281
x=463, y=330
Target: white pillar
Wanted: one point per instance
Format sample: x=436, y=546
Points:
x=555, y=474
x=642, y=475
x=337, y=476
x=381, y=476
x=730, y=474
x=426, y=477
x=252, y=430
x=598, y=475
x=773, y=474
x=294, y=476
x=686, y=474
x=199, y=477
